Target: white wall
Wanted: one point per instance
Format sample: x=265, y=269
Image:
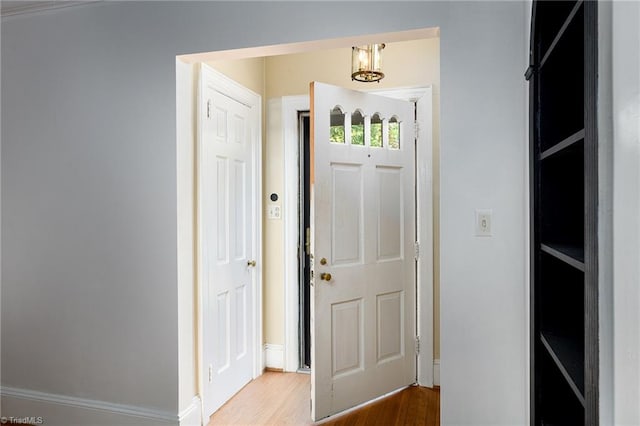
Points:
x=90, y=301
x=89, y=271
x=626, y=209
x=483, y=150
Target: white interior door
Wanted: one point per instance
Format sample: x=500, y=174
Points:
x=226, y=216
x=363, y=234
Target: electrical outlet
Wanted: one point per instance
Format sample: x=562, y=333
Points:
x=483, y=223
x=274, y=211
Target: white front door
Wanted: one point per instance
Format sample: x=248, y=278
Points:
x=227, y=160
x=363, y=220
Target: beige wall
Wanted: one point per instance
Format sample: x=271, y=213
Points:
x=249, y=72
x=406, y=64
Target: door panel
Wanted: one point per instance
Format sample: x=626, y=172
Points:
x=346, y=216
x=226, y=216
x=390, y=326
x=347, y=335
x=363, y=220
x=389, y=211
x=240, y=210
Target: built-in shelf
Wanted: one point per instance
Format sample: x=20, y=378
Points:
x=554, y=14
x=561, y=32
x=568, y=142
x=562, y=77
x=569, y=359
x=573, y=255
x=561, y=89
x=558, y=404
x=561, y=198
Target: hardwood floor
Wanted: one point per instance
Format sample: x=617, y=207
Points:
x=283, y=399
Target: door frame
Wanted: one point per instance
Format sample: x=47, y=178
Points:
x=291, y=105
x=228, y=87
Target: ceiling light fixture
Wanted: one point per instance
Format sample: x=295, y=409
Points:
x=366, y=63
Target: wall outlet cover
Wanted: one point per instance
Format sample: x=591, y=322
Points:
x=274, y=211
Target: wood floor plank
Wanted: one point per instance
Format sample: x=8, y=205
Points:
x=283, y=399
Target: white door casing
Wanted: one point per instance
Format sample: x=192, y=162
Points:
x=228, y=230
x=363, y=220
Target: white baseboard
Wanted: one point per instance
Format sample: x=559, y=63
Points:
x=55, y=409
x=192, y=415
x=274, y=356
x=436, y=372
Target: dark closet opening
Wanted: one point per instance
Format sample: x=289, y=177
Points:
x=304, y=125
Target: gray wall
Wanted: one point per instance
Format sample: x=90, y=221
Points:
x=89, y=232
x=625, y=64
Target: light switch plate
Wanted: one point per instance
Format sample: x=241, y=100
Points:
x=483, y=222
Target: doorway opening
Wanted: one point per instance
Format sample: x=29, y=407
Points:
x=300, y=295
x=229, y=238
x=304, y=252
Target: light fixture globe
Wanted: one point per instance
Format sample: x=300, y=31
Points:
x=366, y=63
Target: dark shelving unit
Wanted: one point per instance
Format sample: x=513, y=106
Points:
x=563, y=153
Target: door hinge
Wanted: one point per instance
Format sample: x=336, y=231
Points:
x=416, y=129
x=208, y=108
x=529, y=72
x=417, y=345
x=417, y=250
x=210, y=373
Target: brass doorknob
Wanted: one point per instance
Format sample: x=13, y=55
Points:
x=251, y=264
x=325, y=276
